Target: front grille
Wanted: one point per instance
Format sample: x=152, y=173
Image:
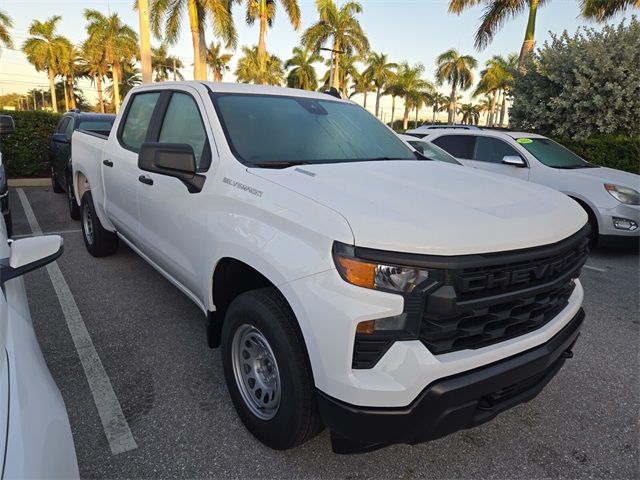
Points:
x=491, y=298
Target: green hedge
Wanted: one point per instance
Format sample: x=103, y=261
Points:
x=614, y=151
x=25, y=153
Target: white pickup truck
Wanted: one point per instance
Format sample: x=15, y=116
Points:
x=348, y=283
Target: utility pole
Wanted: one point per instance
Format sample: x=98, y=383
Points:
x=334, y=54
x=145, y=40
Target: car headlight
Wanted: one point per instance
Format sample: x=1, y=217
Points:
x=404, y=280
x=625, y=195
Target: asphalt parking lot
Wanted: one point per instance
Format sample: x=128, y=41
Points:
x=170, y=386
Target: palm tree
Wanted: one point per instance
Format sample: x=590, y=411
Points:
x=410, y=81
x=92, y=57
x=362, y=84
x=416, y=99
x=5, y=24
x=456, y=70
x=130, y=78
x=120, y=43
x=438, y=103
x=249, y=69
x=303, y=74
x=381, y=71
x=340, y=26
x=162, y=64
x=603, y=10
x=496, y=79
x=167, y=15
x=265, y=11
x=70, y=68
x=43, y=50
x=394, y=88
x=217, y=61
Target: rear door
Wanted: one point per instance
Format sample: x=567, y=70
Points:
x=460, y=146
x=173, y=222
x=120, y=163
x=60, y=147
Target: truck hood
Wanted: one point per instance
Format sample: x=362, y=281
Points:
x=606, y=175
x=433, y=207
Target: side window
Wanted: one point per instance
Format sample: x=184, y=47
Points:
x=492, y=150
x=69, y=130
x=136, y=124
x=62, y=126
x=183, y=124
x=460, y=146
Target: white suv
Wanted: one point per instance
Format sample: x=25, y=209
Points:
x=610, y=197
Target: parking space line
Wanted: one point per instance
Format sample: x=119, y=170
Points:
x=59, y=232
x=601, y=270
x=114, y=423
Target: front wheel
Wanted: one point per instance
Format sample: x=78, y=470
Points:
x=99, y=241
x=267, y=372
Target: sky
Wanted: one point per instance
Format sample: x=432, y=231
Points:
x=411, y=30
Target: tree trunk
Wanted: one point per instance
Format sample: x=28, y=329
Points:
x=365, y=100
x=393, y=109
x=527, y=44
x=452, y=106
x=405, y=119
x=203, y=55
x=262, y=48
x=493, y=108
x=115, y=70
x=417, y=109
x=100, y=96
x=52, y=88
x=378, y=93
x=72, y=97
x=145, y=40
x=194, y=26
x=503, y=108
x=174, y=69
x=495, y=116
x=433, y=120
x=336, y=66
x=66, y=96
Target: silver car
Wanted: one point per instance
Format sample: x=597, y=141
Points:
x=610, y=197
x=35, y=436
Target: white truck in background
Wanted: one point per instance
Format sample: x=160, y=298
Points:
x=348, y=282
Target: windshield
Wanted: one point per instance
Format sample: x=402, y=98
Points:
x=552, y=154
x=279, y=131
x=432, y=151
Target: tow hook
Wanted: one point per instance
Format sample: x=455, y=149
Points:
x=567, y=354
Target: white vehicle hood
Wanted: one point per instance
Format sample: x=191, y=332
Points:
x=607, y=175
x=434, y=208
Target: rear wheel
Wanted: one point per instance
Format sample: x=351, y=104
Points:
x=267, y=372
x=74, y=209
x=99, y=241
x=54, y=182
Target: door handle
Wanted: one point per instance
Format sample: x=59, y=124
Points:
x=108, y=163
x=145, y=180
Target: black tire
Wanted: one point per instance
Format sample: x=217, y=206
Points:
x=99, y=242
x=296, y=419
x=74, y=209
x=54, y=183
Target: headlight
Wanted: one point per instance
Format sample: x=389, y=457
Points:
x=625, y=195
x=390, y=278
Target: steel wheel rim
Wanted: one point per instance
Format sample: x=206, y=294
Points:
x=87, y=225
x=256, y=372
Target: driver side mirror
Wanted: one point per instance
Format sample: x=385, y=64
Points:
x=514, y=160
x=29, y=254
x=61, y=138
x=173, y=160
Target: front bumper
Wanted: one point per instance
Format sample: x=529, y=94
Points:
x=453, y=403
x=606, y=226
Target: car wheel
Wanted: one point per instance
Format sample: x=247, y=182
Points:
x=74, y=209
x=267, y=371
x=54, y=183
x=99, y=242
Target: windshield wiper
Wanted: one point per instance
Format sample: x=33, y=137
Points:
x=280, y=164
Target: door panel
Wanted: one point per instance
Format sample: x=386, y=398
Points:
x=60, y=149
x=121, y=179
x=172, y=220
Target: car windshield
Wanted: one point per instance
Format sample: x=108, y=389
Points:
x=432, y=151
x=552, y=154
x=276, y=131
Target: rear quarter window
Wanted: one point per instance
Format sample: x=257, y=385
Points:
x=460, y=146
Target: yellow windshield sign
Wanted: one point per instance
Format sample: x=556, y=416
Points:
x=524, y=140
